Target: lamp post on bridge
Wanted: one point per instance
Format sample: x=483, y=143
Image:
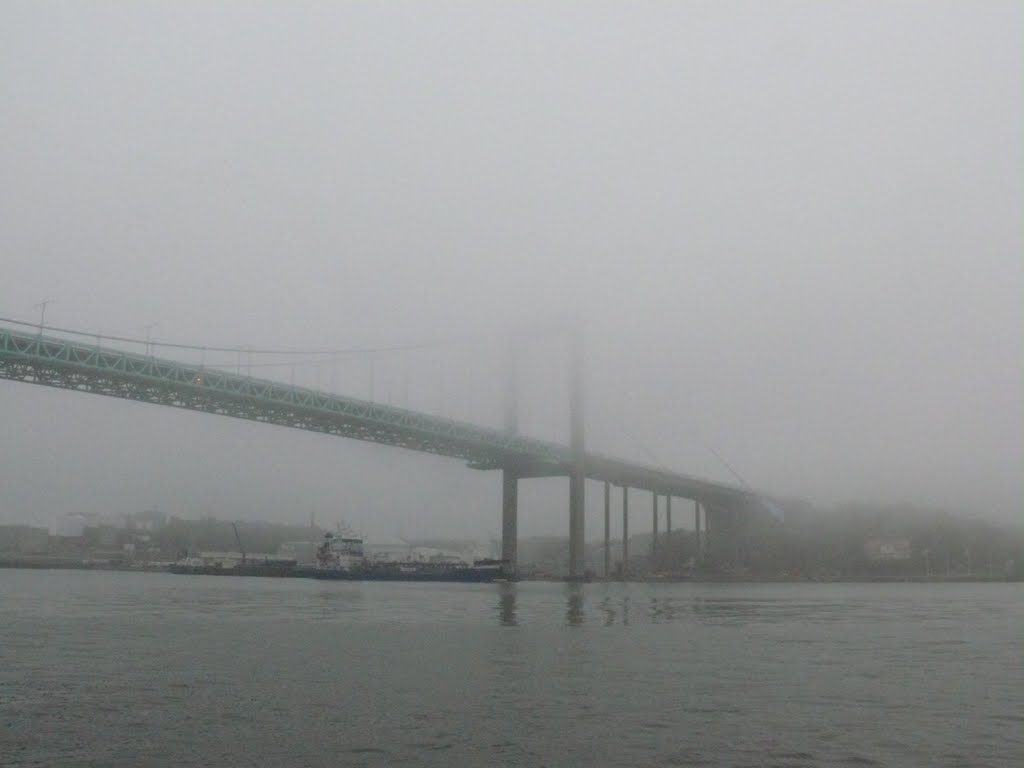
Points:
x=149, y=330
x=41, y=306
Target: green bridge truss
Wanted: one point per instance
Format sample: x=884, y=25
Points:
x=81, y=367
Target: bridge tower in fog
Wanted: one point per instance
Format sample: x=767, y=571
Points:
x=577, y=471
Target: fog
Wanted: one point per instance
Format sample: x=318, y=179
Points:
x=792, y=232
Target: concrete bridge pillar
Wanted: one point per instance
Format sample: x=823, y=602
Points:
x=696, y=528
x=668, y=519
x=509, y=478
x=509, y=517
x=709, y=538
x=576, y=549
x=654, y=526
x=625, y=530
x=577, y=479
x=607, y=529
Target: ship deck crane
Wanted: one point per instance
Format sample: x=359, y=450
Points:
x=239, y=540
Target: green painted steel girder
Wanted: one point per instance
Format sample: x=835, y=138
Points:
x=81, y=367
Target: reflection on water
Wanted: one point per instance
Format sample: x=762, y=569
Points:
x=614, y=609
x=664, y=609
x=507, y=604
x=574, y=604
x=607, y=607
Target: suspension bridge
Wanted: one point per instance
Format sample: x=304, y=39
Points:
x=38, y=357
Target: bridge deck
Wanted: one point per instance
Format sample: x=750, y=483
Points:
x=57, y=362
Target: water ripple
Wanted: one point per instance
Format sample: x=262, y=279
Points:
x=151, y=669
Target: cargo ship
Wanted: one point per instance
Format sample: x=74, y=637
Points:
x=342, y=558
x=478, y=572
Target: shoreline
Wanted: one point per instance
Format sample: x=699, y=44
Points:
x=79, y=565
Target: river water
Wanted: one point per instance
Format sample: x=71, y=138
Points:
x=128, y=669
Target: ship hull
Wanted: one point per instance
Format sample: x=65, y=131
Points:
x=240, y=570
x=466, y=574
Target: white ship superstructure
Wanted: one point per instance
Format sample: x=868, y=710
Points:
x=340, y=553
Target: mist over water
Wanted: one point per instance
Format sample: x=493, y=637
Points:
x=792, y=231
x=129, y=669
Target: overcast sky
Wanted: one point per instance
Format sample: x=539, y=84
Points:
x=793, y=230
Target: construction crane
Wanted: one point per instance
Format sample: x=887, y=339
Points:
x=239, y=540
